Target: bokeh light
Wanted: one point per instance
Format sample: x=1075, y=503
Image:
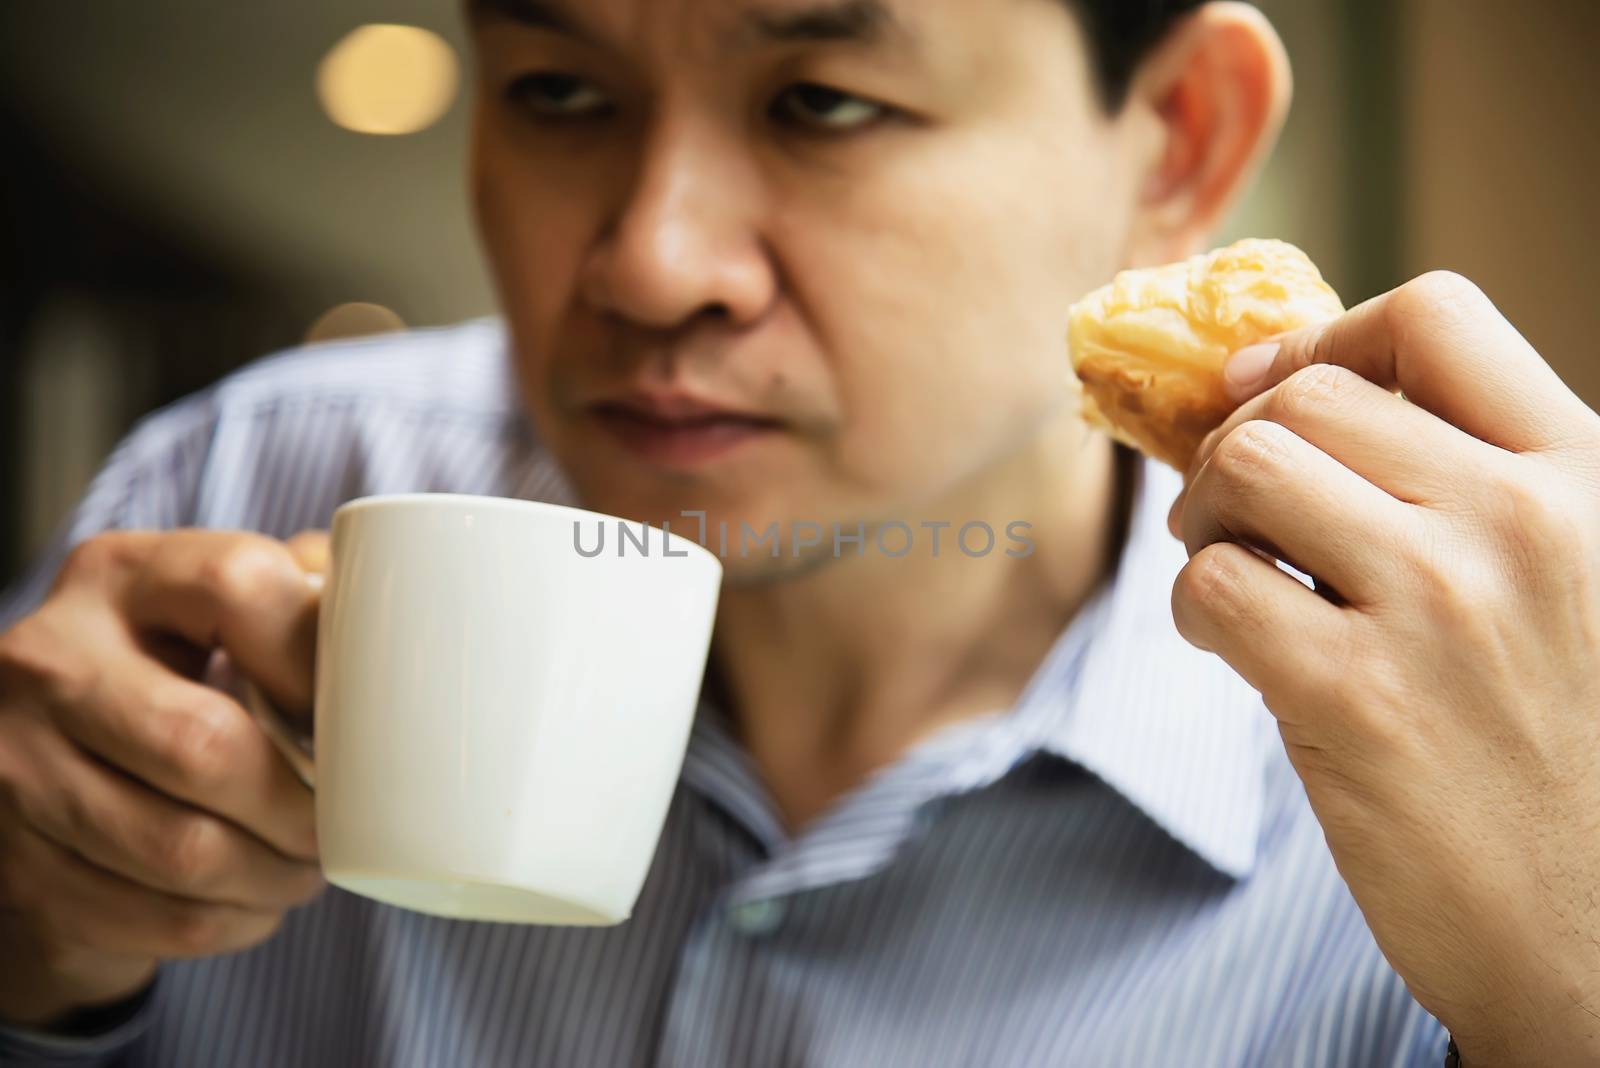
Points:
x=355, y=319
x=387, y=79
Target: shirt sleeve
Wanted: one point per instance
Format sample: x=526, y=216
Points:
x=149, y=482
x=97, y=1043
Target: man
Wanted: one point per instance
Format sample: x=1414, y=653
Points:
x=780, y=262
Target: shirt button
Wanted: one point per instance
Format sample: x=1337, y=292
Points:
x=757, y=918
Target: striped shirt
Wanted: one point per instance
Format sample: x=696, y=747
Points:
x=1120, y=869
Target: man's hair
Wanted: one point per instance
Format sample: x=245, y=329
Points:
x=1121, y=33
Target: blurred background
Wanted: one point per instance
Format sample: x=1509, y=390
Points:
x=188, y=185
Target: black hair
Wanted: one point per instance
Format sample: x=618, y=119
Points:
x=1120, y=34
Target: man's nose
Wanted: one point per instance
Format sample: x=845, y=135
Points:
x=685, y=240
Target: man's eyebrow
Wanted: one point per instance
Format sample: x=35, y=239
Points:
x=843, y=21
x=539, y=14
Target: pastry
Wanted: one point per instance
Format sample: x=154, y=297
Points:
x=1148, y=348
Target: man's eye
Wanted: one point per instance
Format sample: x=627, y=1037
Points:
x=830, y=110
x=563, y=96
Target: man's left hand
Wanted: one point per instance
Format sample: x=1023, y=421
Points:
x=1439, y=691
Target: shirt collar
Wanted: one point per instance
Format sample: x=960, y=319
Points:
x=1170, y=727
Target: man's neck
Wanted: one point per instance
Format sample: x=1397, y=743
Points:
x=835, y=674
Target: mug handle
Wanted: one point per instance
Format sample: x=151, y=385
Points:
x=289, y=739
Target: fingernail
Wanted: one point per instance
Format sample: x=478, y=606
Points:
x=1246, y=368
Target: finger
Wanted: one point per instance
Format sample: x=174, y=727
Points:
x=78, y=904
x=190, y=742
x=311, y=550
x=243, y=592
x=1232, y=602
x=1408, y=452
x=1442, y=343
x=123, y=827
x=1266, y=485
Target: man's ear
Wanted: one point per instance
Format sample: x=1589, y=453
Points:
x=1204, y=111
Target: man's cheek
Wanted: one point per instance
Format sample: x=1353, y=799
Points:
x=907, y=445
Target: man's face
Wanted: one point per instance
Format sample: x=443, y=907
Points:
x=783, y=262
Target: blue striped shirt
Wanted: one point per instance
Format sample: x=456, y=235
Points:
x=1121, y=869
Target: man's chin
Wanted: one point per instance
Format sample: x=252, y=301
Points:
x=758, y=571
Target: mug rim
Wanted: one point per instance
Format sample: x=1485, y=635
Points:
x=384, y=501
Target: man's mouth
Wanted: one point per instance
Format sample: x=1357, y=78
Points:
x=676, y=430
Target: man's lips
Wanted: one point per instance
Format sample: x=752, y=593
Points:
x=673, y=407
x=677, y=430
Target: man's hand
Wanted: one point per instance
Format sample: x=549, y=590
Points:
x=144, y=815
x=1439, y=694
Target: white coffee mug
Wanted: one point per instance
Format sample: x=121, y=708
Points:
x=501, y=718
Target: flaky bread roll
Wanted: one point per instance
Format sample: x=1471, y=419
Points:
x=1149, y=347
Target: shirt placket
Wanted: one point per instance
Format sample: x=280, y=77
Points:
x=728, y=1003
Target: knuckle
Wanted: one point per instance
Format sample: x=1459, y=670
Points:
x=1429, y=550
x=97, y=557
x=1538, y=513
x=200, y=741
x=1435, y=295
x=1544, y=536
x=1311, y=390
x=1204, y=592
x=1251, y=449
x=1458, y=593
x=1210, y=576
x=249, y=570
x=1446, y=287
x=195, y=851
x=33, y=656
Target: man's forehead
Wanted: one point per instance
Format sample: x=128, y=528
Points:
x=738, y=24
x=867, y=21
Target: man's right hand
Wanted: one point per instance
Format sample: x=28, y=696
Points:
x=144, y=815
